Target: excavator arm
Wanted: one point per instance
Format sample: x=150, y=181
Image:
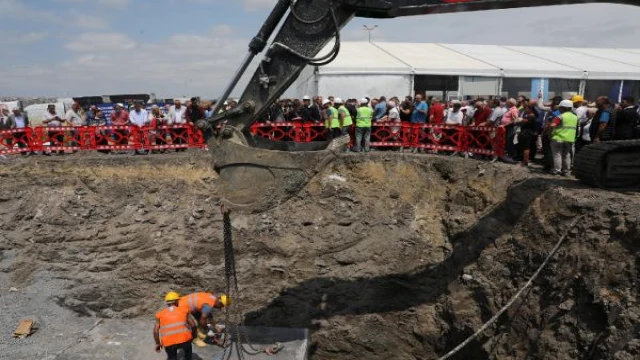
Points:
x=256, y=173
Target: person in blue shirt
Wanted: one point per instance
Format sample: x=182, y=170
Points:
x=380, y=110
x=420, y=111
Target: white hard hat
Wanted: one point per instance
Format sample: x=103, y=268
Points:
x=306, y=97
x=364, y=101
x=337, y=101
x=456, y=102
x=120, y=105
x=566, y=104
x=325, y=102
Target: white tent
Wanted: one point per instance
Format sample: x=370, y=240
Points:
x=364, y=68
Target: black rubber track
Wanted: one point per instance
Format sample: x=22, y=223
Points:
x=590, y=163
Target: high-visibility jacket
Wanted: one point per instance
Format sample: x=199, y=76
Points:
x=567, y=130
x=174, y=328
x=194, y=302
x=363, y=119
x=347, y=116
x=335, y=122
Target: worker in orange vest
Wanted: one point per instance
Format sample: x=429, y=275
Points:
x=174, y=328
x=201, y=306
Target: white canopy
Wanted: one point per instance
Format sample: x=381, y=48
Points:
x=485, y=60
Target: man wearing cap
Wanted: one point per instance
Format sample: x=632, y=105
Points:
x=344, y=116
x=305, y=111
x=120, y=117
x=363, y=126
x=52, y=119
x=564, y=129
x=331, y=120
x=174, y=328
x=177, y=116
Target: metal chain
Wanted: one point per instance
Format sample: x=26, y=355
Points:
x=233, y=291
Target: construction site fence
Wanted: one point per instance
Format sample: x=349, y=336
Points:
x=102, y=138
x=481, y=140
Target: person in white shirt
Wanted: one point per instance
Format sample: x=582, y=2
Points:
x=455, y=115
x=394, y=117
x=138, y=116
x=51, y=119
x=498, y=111
x=75, y=116
x=176, y=115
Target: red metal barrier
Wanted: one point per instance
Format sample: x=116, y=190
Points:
x=102, y=138
x=485, y=140
x=478, y=140
x=390, y=134
x=16, y=141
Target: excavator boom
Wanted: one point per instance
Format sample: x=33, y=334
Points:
x=256, y=173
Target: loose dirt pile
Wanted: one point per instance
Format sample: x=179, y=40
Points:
x=383, y=257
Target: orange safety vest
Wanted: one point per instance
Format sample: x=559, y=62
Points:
x=174, y=328
x=194, y=302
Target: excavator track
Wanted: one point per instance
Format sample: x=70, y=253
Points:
x=609, y=164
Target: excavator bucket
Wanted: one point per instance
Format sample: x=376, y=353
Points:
x=257, y=178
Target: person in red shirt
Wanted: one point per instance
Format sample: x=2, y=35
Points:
x=120, y=117
x=482, y=114
x=436, y=112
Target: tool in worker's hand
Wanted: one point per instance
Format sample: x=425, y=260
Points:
x=274, y=349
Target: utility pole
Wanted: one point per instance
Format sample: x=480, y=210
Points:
x=369, y=29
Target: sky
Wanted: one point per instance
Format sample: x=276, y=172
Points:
x=176, y=48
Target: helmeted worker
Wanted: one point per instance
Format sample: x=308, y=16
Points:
x=363, y=126
x=201, y=306
x=332, y=120
x=344, y=116
x=174, y=328
x=563, y=136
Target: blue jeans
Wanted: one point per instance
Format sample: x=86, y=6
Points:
x=363, y=132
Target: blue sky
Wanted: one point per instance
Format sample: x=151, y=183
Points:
x=191, y=47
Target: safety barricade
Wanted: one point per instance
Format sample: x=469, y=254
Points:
x=62, y=139
x=485, y=140
x=390, y=134
x=16, y=141
x=114, y=138
x=437, y=137
x=59, y=139
x=281, y=131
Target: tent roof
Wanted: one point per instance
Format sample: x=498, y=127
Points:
x=362, y=57
x=485, y=60
x=437, y=59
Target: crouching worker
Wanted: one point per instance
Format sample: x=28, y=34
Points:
x=174, y=328
x=201, y=306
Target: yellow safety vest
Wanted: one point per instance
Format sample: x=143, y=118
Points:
x=335, y=122
x=567, y=130
x=347, y=116
x=363, y=119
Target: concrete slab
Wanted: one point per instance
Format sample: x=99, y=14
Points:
x=133, y=340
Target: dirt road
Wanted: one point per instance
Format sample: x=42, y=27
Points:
x=384, y=257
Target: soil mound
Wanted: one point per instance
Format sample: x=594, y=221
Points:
x=384, y=257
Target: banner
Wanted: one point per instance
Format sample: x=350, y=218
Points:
x=540, y=88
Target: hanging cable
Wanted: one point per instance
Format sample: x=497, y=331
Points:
x=516, y=296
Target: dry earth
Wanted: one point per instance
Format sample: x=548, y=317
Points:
x=370, y=255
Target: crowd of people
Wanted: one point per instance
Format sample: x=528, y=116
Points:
x=556, y=129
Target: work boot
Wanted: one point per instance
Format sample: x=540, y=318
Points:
x=199, y=342
x=201, y=335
